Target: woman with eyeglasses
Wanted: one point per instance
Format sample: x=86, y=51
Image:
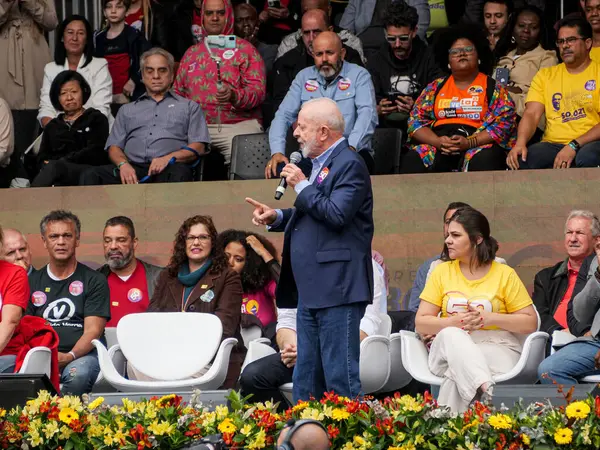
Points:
x=522, y=51
x=198, y=279
x=465, y=121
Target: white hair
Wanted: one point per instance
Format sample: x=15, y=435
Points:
x=594, y=222
x=161, y=52
x=325, y=112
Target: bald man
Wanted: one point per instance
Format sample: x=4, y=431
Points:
x=246, y=27
x=309, y=436
x=349, y=85
x=294, y=40
x=15, y=249
x=326, y=269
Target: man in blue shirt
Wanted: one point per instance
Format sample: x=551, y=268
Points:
x=349, y=85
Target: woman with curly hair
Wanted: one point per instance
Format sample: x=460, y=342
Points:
x=253, y=257
x=198, y=279
x=465, y=121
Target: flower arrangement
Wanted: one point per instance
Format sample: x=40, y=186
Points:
x=400, y=422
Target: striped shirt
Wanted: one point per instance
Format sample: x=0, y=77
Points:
x=147, y=129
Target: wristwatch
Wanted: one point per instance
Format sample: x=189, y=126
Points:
x=574, y=145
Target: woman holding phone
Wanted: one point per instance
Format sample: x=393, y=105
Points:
x=465, y=121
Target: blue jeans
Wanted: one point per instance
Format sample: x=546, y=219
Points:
x=328, y=351
x=78, y=377
x=567, y=365
x=7, y=363
x=542, y=155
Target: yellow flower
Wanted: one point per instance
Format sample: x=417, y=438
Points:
x=65, y=433
x=221, y=411
x=129, y=406
x=51, y=429
x=313, y=413
x=359, y=441
x=300, y=406
x=419, y=439
x=578, y=410
x=70, y=401
x=150, y=411
x=35, y=438
x=259, y=440
x=563, y=436
x=95, y=430
x=472, y=424
x=227, y=426
x=92, y=406
x=339, y=414
x=67, y=415
x=347, y=446
x=410, y=404
x=160, y=429
x=246, y=430
x=525, y=439
x=2, y=413
x=500, y=422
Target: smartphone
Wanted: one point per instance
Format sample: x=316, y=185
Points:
x=274, y=4
x=392, y=96
x=221, y=41
x=502, y=75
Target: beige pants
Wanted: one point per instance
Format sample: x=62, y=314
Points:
x=135, y=374
x=222, y=140
x=466, y=361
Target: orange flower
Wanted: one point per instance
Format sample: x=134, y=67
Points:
x=597, y=406
x=332, y=432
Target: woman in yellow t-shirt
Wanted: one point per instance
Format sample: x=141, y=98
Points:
x=472, y=305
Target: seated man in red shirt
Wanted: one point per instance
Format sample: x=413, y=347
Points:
x=14, y=297
x=131, y=281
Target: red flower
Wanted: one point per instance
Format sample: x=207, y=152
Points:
x=53, y=414
x=597, y=406
x=139, y=437
x=500, y=445
x=332, y=432
x=76, y=425
x=23, y=423
x=330, y=397
x=45, y=407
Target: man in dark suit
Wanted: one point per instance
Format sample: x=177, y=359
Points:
x=326, y=269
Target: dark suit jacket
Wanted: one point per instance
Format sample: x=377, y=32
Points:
x=328, y=234
x=226, y=305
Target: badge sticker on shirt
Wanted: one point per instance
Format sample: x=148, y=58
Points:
x=311, y=85
x=197, y=32
x=134, y=295
x=76, y=288
x=38, y=298
x=192, y=67
x=476, y=89
x=344, y=84
x=252, y=307
x=590, y=85
x=207, y=296
x=47, y=290
x=323, y=175
x=228, y=54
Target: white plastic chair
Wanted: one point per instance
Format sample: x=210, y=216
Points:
x=385, y=329
x=399, y=377
x=111, y=340
x=561, y=338
x=162, y=346
x=256, y=351
x=374, y=363
x=415, y=358
x=37, y=361
x=253, y=333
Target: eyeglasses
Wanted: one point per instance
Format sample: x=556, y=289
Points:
x=458, y=50
x=392, y=39
x=570, y=40
x=202, y=238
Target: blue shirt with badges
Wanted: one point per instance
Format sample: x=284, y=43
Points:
x=353, y=92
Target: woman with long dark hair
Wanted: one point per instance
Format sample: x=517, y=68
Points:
x=199, y=279
x=473, y=305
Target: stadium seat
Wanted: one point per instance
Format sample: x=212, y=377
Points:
x=249, y=155
x=37, y=361
x=387, y=144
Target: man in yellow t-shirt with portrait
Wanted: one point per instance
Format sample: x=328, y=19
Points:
x=569, y=95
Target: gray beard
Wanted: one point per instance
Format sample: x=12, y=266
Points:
x=117, y=264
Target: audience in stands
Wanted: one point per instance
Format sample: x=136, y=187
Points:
x=134, y=15
x=294, y=40
x=426, y=268
x=199, y=279
x=73, y=298
x=15, y=250
x=366, y=18
x=314, y=22
x=156, y=138
x=482, y=303
x=554, y=286
x=229, y=83
x=131, y=281
x=568, y=94
x=592, y=14
x=254, y=258
x=122, y=46
x=74, y=140
x=465, y=121
x=402, y=68
x=579, y=358
x=263, y=377
x=7, y=144
x=523, y=50
x=14, y=291
x=349, y=85
x=24, y=50
x=74, y=50
x=278, y=21
x=496, y=14
x=246, y=27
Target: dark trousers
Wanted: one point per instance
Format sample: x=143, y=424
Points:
x=262, y=379
x=60, y=173
x=493, y=158
x=175, y=173
x=542, y=155
x=328, y=351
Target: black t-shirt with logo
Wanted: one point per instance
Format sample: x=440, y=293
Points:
x=66, y=303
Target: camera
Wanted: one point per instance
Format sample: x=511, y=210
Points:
x=212, y=442
x=274, y=4
x=221, y=41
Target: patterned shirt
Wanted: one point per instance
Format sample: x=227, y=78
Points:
x=147, y=129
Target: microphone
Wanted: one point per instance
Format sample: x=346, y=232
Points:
x=295, y=158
